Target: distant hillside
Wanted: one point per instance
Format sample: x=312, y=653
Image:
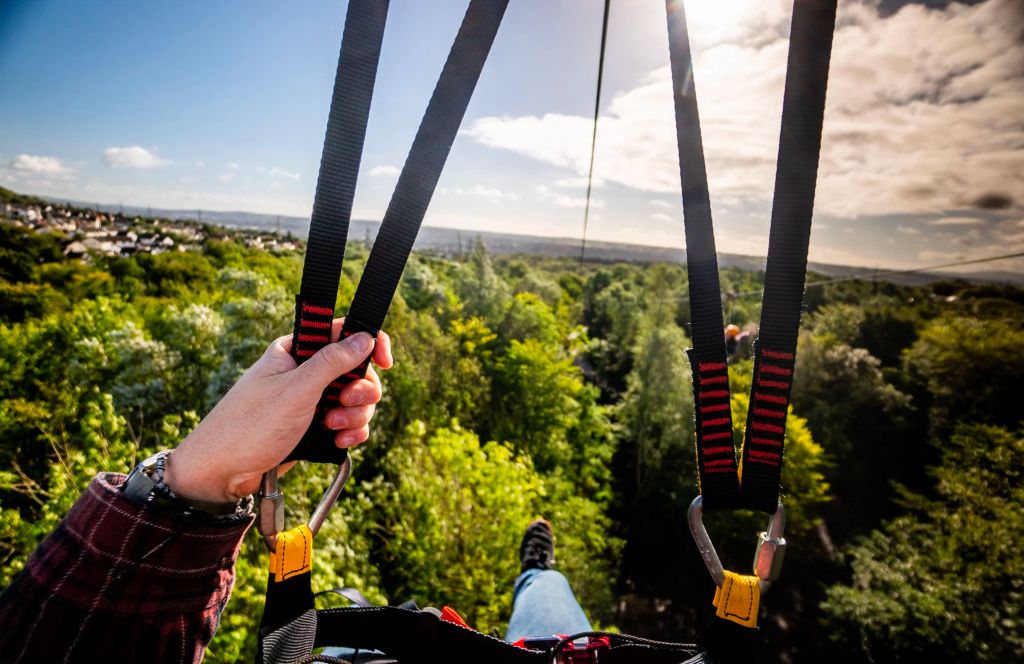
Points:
x=450, y=242
x=14, y=198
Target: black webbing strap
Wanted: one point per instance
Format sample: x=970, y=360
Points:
x=803, y=110
x=288, y=625
x=730, y=643
x=414, y=636
x=716, y=455
x=332, y=203
x=756, y=486
x=404, y=215
x=423, y=166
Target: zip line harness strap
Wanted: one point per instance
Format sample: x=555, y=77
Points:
x=291, y=627
x=289, y=621
x=754, y=482
x=332, y=208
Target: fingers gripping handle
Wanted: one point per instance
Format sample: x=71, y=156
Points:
x=312, y=332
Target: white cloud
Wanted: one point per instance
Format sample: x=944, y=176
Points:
x=661, y=216
x=233, y=165
x=659, y=203
x=577, y=183
x=200, y=164
x=578, y=202
x=384, y=172
x=956, y=221
x=131, y=157
x=923, y=115
x=935, y=256
x=1010, y=233
x=37, y=165
x=281, y=173
x=227, y=177
x=480, y=190
x=907, y=230
x=491, y=192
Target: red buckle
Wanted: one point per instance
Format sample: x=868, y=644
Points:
x=586, y=654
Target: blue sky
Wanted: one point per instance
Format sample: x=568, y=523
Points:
x=222, y=105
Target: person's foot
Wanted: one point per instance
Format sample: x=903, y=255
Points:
x=537, y=550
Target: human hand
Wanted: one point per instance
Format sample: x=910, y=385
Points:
x=262, y=417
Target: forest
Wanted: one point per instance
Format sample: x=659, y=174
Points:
x=528, y=387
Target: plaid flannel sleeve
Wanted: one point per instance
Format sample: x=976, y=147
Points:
x=120, y=579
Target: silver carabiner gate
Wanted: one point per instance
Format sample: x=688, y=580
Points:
x=271, y=519
x=771, y=546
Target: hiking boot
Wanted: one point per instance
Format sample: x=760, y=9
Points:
x=537, y=550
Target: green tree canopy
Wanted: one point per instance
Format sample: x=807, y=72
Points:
x=945, y=581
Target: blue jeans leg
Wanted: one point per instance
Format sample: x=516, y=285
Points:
x=543, y=604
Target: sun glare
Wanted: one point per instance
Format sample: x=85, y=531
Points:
x=713, y=20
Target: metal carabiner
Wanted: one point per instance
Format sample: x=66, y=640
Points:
x=771, y=546
x=271, y=519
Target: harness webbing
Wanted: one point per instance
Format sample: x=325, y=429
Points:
x=716, y=457
x=803, y=110
x=423, y=166
x=755, y=484
x=332, y=202
x=403, y=217
x=289, y=614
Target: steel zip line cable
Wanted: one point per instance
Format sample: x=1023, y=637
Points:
x=593, y=135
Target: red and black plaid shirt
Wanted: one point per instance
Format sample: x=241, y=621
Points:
x=122, y=581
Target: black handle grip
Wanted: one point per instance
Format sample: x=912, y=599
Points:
x=310, y=335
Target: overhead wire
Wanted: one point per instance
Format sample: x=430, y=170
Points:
x=875, y=275
x=593, y=134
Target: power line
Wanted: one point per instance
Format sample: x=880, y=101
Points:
x=874, y=275
x=593, y=135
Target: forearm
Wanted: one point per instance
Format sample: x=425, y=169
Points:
x=118, y=578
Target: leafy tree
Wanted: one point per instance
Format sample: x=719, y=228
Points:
x=176, y=273
x=23, y=248
x=190, y=335
x=654, y=460
x=612, y=313
x=529, y=317
x=254, y=311
x=20, y=301
x=420, y=288
x=437, y=375
x=84, y=449
x=587, y=549
x=450, y=515
x=525, y=279
x=16, y=265
x=887, y=329
x=134, y=369
x=538, y=398
x=656, y=414
x=970, y=367
x=944, y=582
x=862, y=422
x=77, y=281
x=482, y=292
